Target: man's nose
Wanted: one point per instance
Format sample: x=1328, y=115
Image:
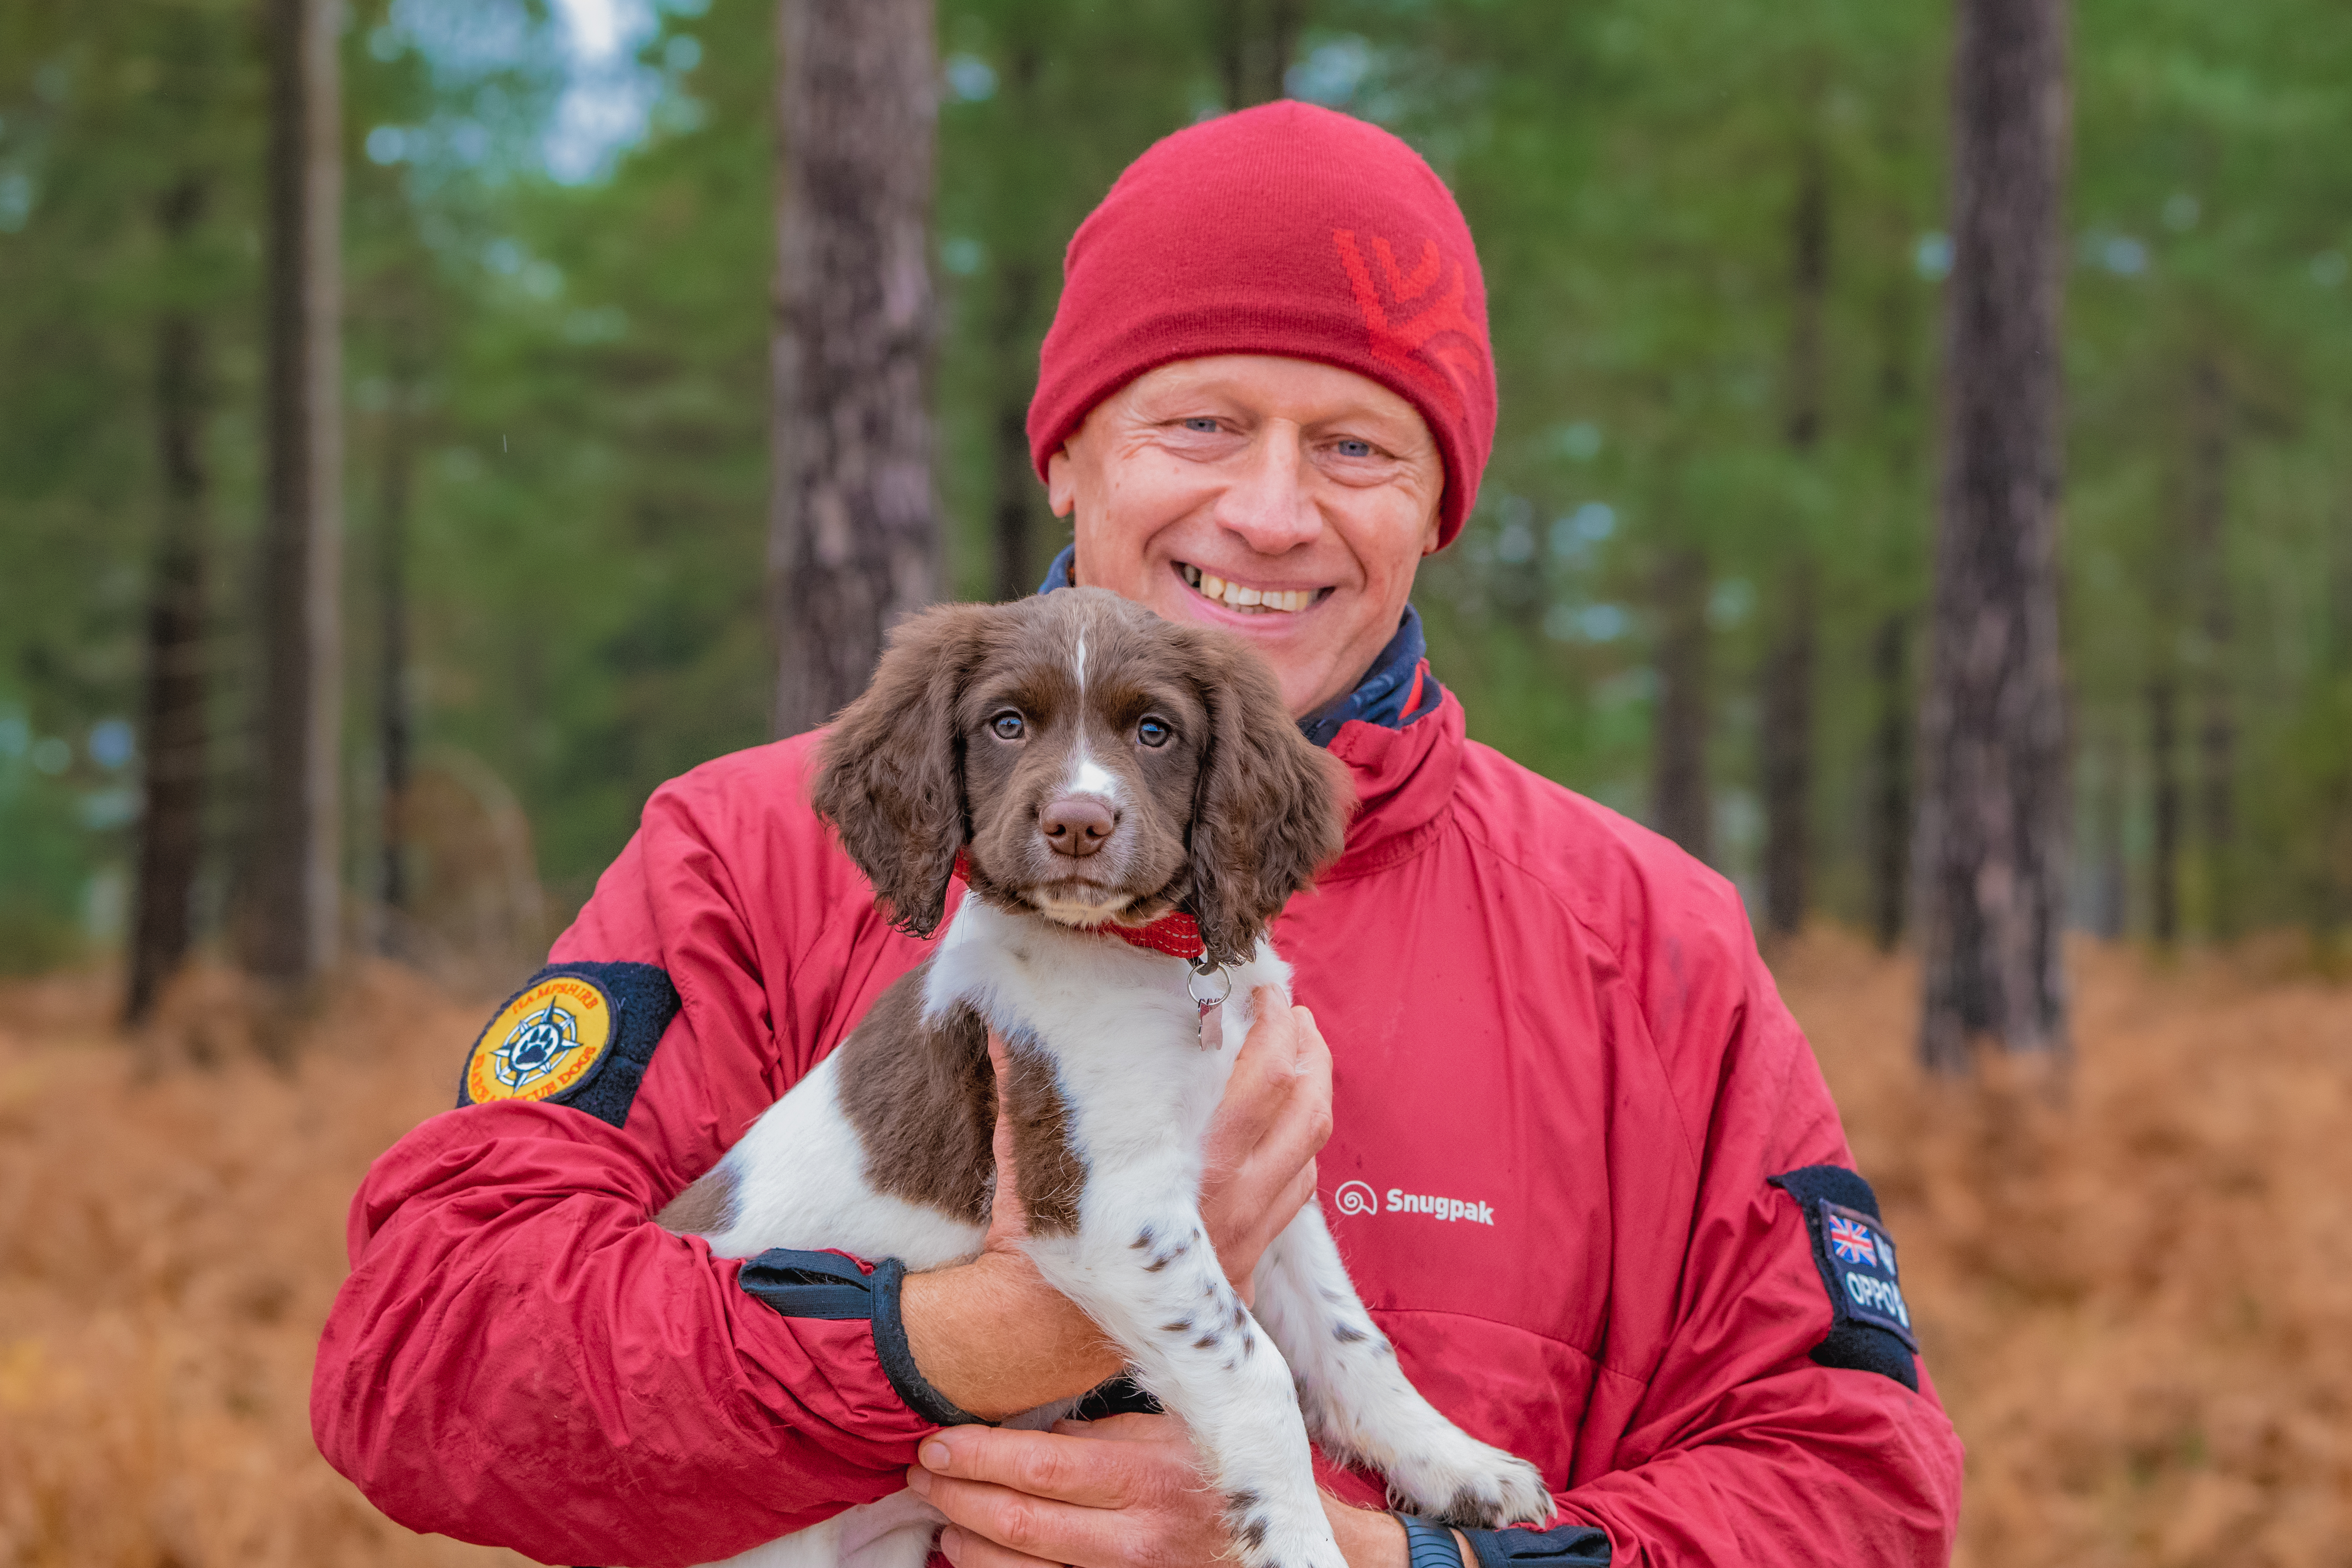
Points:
x=1266, y=503
x=1077, y=824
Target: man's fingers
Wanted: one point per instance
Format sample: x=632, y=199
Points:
x=967, y=1549
x=1030, y=1526
x=1041, y=1464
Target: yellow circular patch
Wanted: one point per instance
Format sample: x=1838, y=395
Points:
x=542, y=1043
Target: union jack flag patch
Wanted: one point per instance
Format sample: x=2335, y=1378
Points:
x=1852, y=1242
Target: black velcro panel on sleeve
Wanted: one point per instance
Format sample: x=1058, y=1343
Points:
x=646, y=1002
x=1870, y=1324
x=1563, y=1546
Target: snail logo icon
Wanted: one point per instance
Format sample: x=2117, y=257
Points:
x=1355, y=1197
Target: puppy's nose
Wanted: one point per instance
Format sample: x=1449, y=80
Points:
x=1077, y=825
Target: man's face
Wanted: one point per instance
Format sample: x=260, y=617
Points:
x=1283, y=499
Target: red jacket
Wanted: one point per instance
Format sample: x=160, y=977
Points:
x=1563, y=1080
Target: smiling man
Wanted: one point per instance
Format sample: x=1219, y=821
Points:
x=1585, y=1173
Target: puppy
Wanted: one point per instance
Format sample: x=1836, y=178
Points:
x=1129, y=804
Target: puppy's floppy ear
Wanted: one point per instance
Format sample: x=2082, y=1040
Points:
x=890, y=778
x=1268, y=810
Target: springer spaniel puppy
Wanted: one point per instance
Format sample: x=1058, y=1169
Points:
x=1129, y=804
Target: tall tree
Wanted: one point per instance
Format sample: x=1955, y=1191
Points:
x=2164, y=808
x=1993, y=820
x=395, y=714
x=1680, y=807
x=2217, y=719
x=1256, y=40
x=292, y=914
x=171, y=828
x=853, y=534
x=1890, y=774
x=1014, y=351
x=1786, y=734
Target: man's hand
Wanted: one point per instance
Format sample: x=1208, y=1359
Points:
x=1121, y=1493
x=1258, y=1166
x=992, y=1337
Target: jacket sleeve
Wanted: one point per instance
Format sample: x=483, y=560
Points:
x=1743, y=1446
x=520, y=1357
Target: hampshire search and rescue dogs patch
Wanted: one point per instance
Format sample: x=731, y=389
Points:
x=579, y=1035
x=544, y=1043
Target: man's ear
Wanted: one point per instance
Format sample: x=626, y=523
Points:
x=1061, y=482
x=891, y=778
x=1269, y=809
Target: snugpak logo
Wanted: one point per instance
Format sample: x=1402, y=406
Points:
x=1357, y=1197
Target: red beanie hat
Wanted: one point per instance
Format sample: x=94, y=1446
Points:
x=1285, y=229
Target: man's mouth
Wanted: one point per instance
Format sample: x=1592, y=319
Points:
x=1247, y=600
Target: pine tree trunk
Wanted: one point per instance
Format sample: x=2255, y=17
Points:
x=171, y=829
x=1256, y=39
x=1787, y=732
x=2110, y=902
x=1016, y=483
x=396, y=740
x=1993, y=819
x=292, y=911
x=2217, y=727
x=1788, y=748
x=1890, y=813
x=2164, y=785
x=853, y=536
x=1679, y=799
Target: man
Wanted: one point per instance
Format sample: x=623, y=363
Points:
x=1584, y=1169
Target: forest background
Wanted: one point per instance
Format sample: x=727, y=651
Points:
x=1714, y=242
x=1696, y=587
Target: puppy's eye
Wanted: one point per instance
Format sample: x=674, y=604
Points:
x=1155, y=732
x=1007, y=726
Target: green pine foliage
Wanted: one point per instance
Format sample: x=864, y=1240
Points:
x=579, y=351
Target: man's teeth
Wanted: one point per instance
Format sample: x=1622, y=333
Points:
x=1235, y=596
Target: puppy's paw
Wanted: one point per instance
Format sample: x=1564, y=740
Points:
x=1265, y=1538
x=1461, y=1481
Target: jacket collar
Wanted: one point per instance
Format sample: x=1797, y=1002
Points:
x=1401, y=734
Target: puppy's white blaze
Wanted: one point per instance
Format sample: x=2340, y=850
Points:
x=1090, y=777
x=1082, y=665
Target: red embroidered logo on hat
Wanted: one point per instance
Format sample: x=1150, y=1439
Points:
x=1400, y=340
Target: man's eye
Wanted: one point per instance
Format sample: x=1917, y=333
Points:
x=1154, y=733
x=1352, y=447
x=1202, y=424
x=1007, y=726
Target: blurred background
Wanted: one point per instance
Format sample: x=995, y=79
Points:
x=537, y=465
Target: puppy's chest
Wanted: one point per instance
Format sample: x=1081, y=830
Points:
x=1122, y=1037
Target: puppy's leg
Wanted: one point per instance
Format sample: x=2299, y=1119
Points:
x=1358, y=1403
x=1146, y=1273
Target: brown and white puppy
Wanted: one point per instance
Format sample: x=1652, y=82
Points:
x=1092, y=767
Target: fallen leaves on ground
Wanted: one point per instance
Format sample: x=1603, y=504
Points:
x=2133, y=1280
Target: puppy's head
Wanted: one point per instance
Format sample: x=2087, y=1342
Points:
x=1092, y=761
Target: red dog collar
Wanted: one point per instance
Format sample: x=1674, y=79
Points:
x=1175, y=934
